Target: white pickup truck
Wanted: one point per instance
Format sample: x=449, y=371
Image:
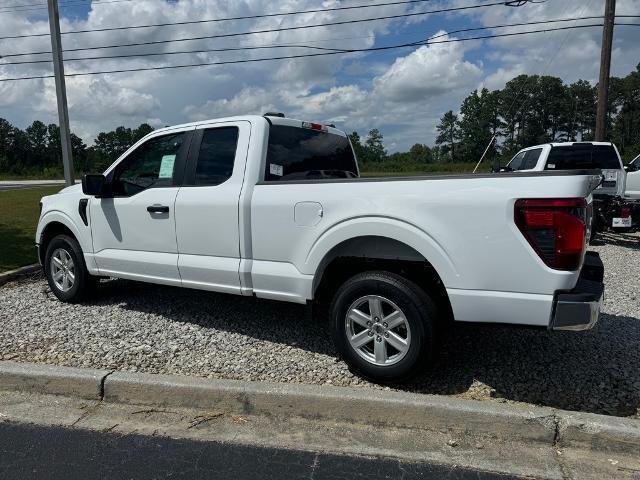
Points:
x=272, y=207
x=614, y=204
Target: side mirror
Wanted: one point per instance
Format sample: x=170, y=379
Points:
x=94, y=185
x=627, y=168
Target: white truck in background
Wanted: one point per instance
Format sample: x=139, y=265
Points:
x=272, y=207
x=614, y=205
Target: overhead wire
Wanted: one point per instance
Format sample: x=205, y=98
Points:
x=288, y=57
x=261, y=47
x=270, y=30
x=224, y=19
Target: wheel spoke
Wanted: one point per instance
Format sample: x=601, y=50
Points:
x=380, y=350
x=394, y=319
x=65, y=282
x=359, y=317
x=57, y=276
x=71, y=276
x=375, y=307
x=397, y=342
x=360, y=339
x=57, y=261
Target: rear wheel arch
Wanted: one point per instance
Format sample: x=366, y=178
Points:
x=378, y=253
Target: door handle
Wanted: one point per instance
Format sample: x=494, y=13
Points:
x=158, y=209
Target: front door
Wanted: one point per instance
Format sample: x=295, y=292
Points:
x=134, y=232
x=207, y=207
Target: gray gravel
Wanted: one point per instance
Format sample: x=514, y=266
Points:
x=137, y=327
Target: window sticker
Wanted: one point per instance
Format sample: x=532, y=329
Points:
x=551, y=165
x=166, y=167
x=276, y=169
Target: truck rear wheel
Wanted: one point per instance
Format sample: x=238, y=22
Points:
x=65, y=269
x=383, y=326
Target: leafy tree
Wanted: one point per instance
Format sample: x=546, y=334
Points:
x=420, y=153
x=478, y=124
x=375, y=146
x=448, y=135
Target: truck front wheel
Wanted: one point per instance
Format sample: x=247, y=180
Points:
x=383, y=326
x=65, y=269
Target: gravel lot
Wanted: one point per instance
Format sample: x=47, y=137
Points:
x=137, y=327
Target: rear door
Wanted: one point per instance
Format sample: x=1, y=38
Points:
x=206, y=207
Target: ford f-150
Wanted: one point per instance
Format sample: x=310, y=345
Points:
x=272, y=207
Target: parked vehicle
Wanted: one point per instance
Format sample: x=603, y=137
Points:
x=274, y=208
x=633, y=179
x=612, y=210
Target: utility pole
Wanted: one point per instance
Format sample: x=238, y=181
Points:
x=61, y=91
x=605, y=67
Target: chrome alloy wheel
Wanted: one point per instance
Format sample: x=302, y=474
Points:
x=63, y=270
x=377, y=330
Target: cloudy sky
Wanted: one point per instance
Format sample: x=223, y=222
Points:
x=403, y=92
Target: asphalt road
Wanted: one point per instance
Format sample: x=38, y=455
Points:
x=30, y=451
x=20, y=185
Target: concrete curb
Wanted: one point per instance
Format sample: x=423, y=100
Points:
x=34, y=378
x=539, y=425
x=18, y=272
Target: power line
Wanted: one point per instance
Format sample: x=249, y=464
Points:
x=262, y=47
x=70, y=3
x=225, y=19
x=289, y=57
x=43, y=5
x=271, y=30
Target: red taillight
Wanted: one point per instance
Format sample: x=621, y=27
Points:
x=625, y=212
x=555, y=228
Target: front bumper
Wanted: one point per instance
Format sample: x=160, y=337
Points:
x=579, y=309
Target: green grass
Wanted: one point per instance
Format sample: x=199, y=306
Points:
x=399, y=170
x=19, y=212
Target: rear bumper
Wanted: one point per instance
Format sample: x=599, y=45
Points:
x=579, y=309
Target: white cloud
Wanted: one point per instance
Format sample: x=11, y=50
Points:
x=426, y=72
x=402, y=92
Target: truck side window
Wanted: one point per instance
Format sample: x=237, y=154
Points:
x=516, y=162
x=149, y=165
x=217, y=155
x=296, y=153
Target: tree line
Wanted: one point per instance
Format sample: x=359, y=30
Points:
x=529, y=110
x=36, y=151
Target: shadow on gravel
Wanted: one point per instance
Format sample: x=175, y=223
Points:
x=624, y=240
x=595, y=371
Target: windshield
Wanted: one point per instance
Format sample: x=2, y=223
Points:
x=573, y=157
x=303, y=154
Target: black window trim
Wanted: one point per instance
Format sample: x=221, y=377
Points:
x=191, y=163
x=179, y=166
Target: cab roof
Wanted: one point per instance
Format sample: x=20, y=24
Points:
x=257, y=119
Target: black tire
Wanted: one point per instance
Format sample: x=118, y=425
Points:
x=83, y=282
x=416, y=307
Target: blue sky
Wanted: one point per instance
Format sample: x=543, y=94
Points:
x=402, y=92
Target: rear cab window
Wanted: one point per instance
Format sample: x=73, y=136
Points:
x=296, y=153
x=587, y=156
